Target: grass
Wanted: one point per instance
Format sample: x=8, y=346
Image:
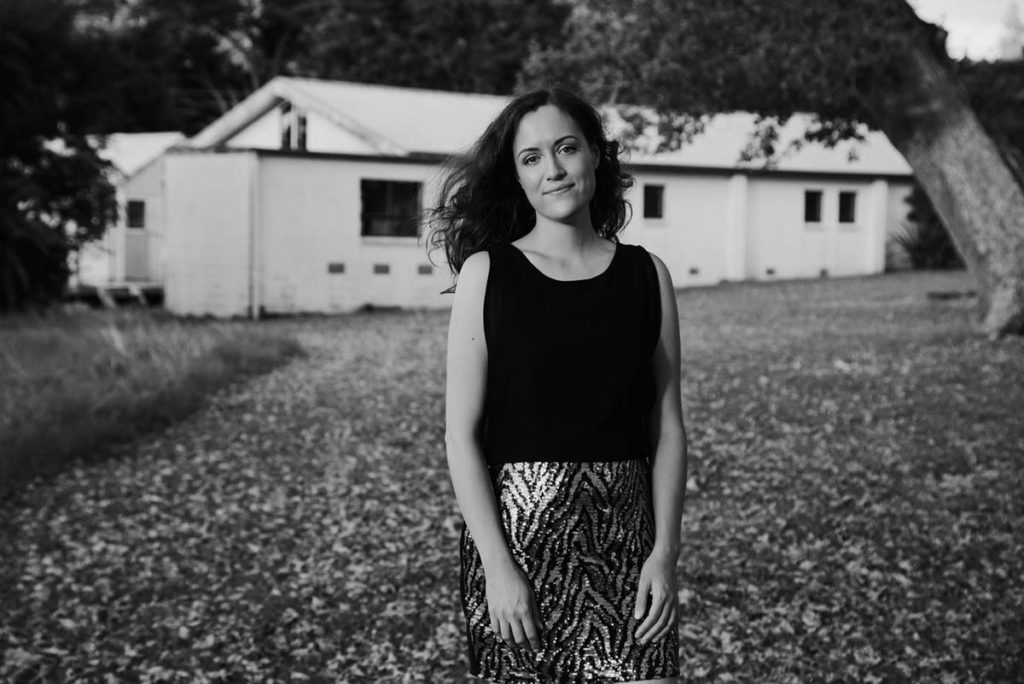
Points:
x=79, y=384
x=854, y=514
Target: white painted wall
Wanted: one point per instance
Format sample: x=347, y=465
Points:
x=209, y=219
x=97, y=260
x=263, y=133
x=692, y=235
x=303, y=216
x=324, y=136
x=143, y=253
x=321, y=135
x=129, y=254
x=778, y=238
x=309, y=217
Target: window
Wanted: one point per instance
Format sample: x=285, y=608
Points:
x=425, y=269
x=654, y=205
x=382, y=269
x=390, y=207
x=847, y=207
x=812, y=206
x=293, y=128
x=135, y=212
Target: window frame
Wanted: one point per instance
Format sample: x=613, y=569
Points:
x=851, y=221
x=293, y=128
x=129, y=214
x=659, y=188
x=820, y=194
x=365, y=217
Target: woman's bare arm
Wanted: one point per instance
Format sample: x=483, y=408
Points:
x=510, y=599
x=464, y=402
x=667, y=430
x=657, y=578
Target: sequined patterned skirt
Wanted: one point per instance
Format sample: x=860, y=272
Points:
x=580, y=532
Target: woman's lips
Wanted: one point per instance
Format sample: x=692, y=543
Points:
x=559, y=189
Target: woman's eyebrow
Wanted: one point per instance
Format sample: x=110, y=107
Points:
x=535, y=149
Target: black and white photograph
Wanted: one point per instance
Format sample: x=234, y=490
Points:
x=512, y=341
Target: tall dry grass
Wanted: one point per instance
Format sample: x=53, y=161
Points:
x=75, y=385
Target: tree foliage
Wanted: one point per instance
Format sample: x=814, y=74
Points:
x=54, y=191
x=460, y=45
x=924, y=238
x=178, y=64
x=870, y=62
x=996, y=92
x=105, y=66
x=702, y=57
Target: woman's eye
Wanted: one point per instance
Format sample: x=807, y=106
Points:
x=531, y=159
x=568, y=149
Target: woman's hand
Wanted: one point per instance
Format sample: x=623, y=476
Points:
x=512, y=605
x=658, y=581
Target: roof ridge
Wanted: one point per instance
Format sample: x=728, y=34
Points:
x=387, y=86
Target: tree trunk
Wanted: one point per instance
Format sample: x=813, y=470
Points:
x=966, y=176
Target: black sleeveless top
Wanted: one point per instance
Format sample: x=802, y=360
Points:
x=569, y=374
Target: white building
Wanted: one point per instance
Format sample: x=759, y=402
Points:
x=306, y=198
x=131, y=250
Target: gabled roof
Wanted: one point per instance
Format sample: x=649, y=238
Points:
x=724, y=138
x=409, y=121
x=394, y=121
x=131, y=152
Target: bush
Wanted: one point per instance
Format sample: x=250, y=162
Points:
x=925, y=241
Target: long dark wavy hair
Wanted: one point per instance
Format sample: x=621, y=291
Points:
x=481, y=204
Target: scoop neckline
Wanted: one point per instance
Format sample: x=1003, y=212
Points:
x=615, y=257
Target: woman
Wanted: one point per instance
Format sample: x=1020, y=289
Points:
x=564, y=430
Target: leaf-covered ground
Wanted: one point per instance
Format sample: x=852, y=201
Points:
x=856, y=513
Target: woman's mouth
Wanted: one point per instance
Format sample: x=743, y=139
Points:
x=559, y=190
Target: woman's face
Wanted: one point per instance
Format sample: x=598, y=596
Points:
x=555, y=164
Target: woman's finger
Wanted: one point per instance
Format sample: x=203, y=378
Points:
x=505, y=630
x=518, y=635
x=653, y=610
x=531, y=628
x=669, y=624
x=641, y=597
x=655, y=616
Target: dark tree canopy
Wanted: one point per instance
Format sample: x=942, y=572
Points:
x=178, y=64
x=703, y=57
x=74, y=69
x=100, y=66
x=849, y=62
x=996, y=92
x=54, y=193
x=461, y=45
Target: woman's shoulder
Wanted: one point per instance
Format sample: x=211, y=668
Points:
x=475, y=268
x=641, y=253
x=637, y=255
x=635, y=249
x=651, y=266
x=477, y=261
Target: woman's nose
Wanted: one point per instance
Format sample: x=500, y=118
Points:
x=554, y=170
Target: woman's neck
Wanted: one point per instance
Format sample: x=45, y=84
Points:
x=560, y=240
